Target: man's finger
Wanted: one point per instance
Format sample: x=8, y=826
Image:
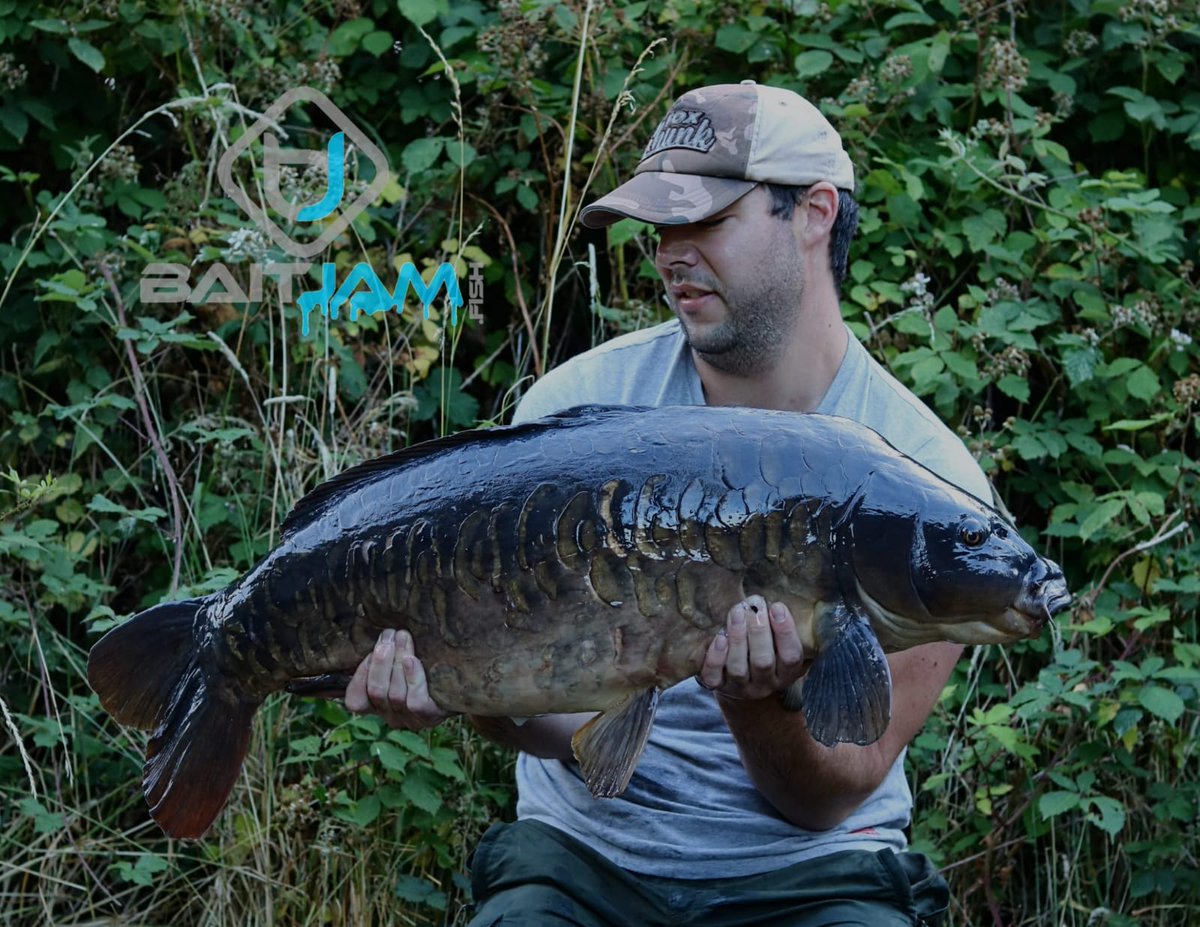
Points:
x=760, y=640
x=385, y=686
x=356, y=691
x=712, y=673
x=419, y=701
x=737, y=666
x=789, y=649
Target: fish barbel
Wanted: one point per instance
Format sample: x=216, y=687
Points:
x=583, y=561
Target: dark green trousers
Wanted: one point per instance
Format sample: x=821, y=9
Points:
x=530, y=874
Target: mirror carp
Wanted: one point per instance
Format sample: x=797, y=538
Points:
x=581, y=562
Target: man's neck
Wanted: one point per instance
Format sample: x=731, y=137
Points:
x=798, y=378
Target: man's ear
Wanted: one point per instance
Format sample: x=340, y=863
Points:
x=821, y=211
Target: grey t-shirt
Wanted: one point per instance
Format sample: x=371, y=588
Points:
x=690, y=810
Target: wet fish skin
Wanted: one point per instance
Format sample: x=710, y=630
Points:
x=636, y=530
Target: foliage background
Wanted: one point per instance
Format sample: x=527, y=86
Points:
x=1028, y=175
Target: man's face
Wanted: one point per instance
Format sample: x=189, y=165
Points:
x=735, y=281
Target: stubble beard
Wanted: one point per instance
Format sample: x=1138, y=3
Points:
x=759, y=318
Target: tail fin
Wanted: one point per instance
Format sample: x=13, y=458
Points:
x=195, y=755
x=134, y=668
x=147, y=675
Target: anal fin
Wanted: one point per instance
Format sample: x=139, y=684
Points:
x=608, y=747
x=847, y=694
x=330, y=685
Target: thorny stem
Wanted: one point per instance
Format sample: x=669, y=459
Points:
x=960, y=155
x=139, y=390
x=1088, y=602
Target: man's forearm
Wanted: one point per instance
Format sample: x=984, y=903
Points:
x=817, y=787
x=813, y=786
x=546, y=736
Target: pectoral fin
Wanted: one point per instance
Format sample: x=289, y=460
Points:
x=608, y=747
x=848, y=691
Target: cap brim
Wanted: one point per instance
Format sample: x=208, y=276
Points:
x=665, y=198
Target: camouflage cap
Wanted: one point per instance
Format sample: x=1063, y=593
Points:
x=715, y=144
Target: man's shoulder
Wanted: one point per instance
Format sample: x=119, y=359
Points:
x=907, y=423
x=633, y=369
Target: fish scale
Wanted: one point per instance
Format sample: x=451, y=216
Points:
x=583, y=562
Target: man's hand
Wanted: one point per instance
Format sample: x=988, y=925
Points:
x=757, y=654
x=390, y=682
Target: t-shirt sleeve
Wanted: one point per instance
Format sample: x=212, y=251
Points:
x=552, y=393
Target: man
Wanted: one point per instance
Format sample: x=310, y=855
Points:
x=735, y=814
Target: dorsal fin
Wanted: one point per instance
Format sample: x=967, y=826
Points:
x=313, y=504
x=577, y=414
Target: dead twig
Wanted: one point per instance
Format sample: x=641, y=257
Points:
x=1164, y=533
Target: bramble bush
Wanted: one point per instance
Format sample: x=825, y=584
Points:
x=1027, y=175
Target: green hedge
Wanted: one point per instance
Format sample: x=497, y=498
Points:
x=1028, y=179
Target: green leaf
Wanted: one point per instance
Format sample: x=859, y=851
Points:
x=915, y=18
x=57, y=26
x=440, y=391
x=1146, y=109
x=1137, y=424
x=421, y=154
x=86, y=52
x=44, y=820
x=422, y=12
x=1029, y=447
x=962, y=366
x=620, y=233
x=420, y=892
x=445, y=762
x=411, y=741
x=1110, y=816
x=938, y=51
x=984, y=228
x=1015, y=386
x=1100, y=516
x=1055, y=803
x=1161, y=702
x=352, y=379
x=527, y=197
x=417, y=790
x=1172, y=67
x=377, y=42
x=1079, y=364
x=391, y=756
x=1143, y=384
x=812, y=63
x=365, y=810
x=735, y=38
x=460, y=153
x=346, y=37
x=14, y=122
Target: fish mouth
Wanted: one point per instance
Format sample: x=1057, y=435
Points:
x=1045, y=595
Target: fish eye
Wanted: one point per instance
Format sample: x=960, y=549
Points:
x=972, y=532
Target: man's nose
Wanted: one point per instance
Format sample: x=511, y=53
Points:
x=674, y=247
